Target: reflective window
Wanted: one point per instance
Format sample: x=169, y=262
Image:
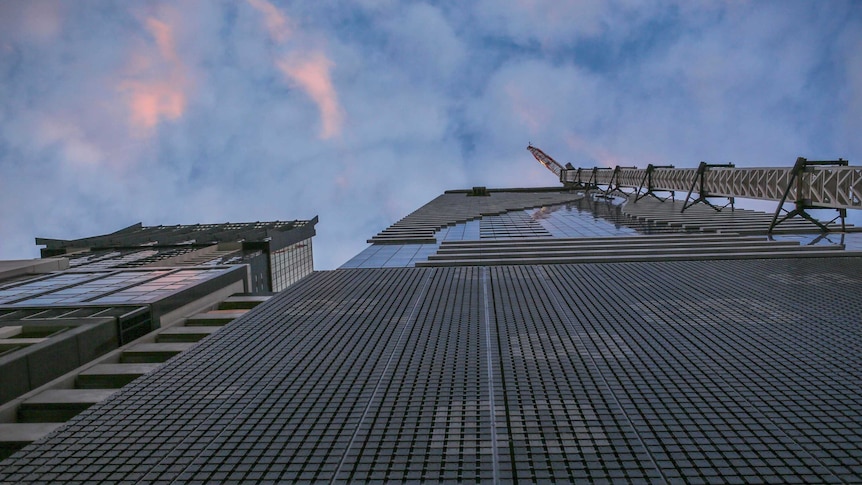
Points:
x=289, y=265
x=129, y=286
x=582, y=218
x=12, y=293
x=161, y=287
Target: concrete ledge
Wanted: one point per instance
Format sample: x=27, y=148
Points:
x=112, y=376
x=560, y=241
x=152, y=353
x=58, y=405
x=9, y=331
x=14, y=436
x=643, y=258
x=9, y=410
x=403, y=240
x=18, y=267
x=242, y=302
x=186, y=334
x=37, y=361
x=623, y=247
x=214, y=318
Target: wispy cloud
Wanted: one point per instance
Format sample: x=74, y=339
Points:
x=201, y=111
x=156, y=81
x=532, y=115
x=597, y=151
x=308, y=69
x=279, y=26
x=311, y=74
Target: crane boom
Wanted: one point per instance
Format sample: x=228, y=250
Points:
x=547, y=161
x=825, y=184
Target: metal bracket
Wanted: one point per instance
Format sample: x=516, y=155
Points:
x=801, y=204
x=647, y=180
x=571, y=177
x=618, y=187
x=593, y=183
x=581, y=183
x=702, y=194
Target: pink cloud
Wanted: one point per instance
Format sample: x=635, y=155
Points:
x=528, y=113
x=156, y=84
x=279, y=26
x=150, y=102
x=311, y=74
x=600, y=153
x=309, y=70
x=164, y=36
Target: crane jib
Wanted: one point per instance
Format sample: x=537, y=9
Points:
x=828, y=184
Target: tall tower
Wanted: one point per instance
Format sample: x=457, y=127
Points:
x=529, y=335
x=97, y=312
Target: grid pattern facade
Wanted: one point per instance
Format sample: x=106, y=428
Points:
x=110, y=259
x=201, y=234
x=693, y=371
x=589, y=217
x=289, y=265
x=514, y=224
x=104, y=287
x=420, y=226
x=158, y=288
x=391, y=256
x=278, y=253
x=581, y=218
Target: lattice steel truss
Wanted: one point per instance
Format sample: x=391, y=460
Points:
x=809, y=184
x=819, y=186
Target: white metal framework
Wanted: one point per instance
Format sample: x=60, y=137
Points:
x=831, y=187
x=809, y=184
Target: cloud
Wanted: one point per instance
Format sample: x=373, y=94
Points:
x=280, y=27
x=421, y=37
x=362, y=112
x=550, y=22
x=307, y=68
x=533, y=116
x=851, y=93
x=39, y=22
x=311, y=74
x=156, y=81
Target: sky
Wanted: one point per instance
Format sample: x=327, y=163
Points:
x=180, y=112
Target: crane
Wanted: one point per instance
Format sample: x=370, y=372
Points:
x=809, y=184
x=546, y=160
x=550, y=163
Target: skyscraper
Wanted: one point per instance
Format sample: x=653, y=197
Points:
x=79, y=324
x=529, y=335
x=277, y=253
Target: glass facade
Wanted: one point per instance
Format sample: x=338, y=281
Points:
x=583, y=218
x=167, y=283
x=391, y=256
x=110, y=259
x=289, y=265
x=622, y=373
x=278, y=253
x=104, y=287
x=14, y=292
x=668, y=354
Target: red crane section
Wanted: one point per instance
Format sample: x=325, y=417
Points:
x=546, y=160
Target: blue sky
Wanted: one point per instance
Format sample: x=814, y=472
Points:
x=206, y=111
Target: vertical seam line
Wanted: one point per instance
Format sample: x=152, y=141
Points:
x=384, y=372
x=490, y=363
